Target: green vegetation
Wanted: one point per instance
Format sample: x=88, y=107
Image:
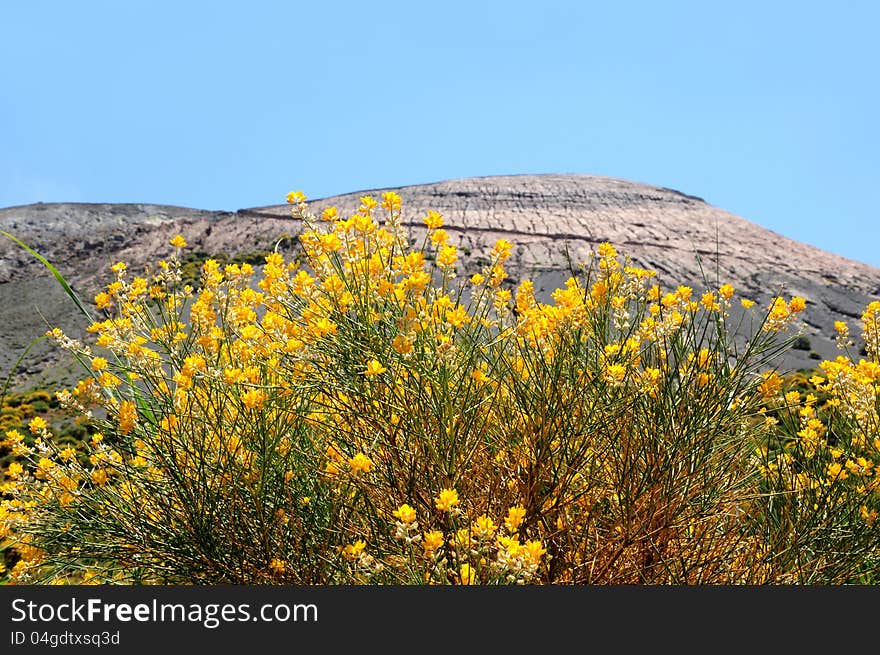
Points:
x=369, y=415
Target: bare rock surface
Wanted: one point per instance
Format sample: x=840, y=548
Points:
x=551, y=219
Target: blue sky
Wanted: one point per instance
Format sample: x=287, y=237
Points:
x=766, y=109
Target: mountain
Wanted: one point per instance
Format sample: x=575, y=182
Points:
x=549, y=218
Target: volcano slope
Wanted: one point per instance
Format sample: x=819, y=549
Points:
x=553, y=221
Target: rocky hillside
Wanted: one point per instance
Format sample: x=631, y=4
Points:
x=546, y=216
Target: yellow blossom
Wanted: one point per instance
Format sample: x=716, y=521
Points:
x=178, y=241
x=606, y=251
x=447, y=499
x=127, y=416
x=360, y=463
x=368, y=203
x=296, y=198
x=479, y=376
x=439, y=237
x=433, y=220
x=374, y=368
x=431, y=541
x=103, y=300
x=401, y=344
x=835, y=471
x=447, y=256
x=484, y=526
x=99, y=477
x=515, y=516
x=534, y=550
x=405, y=513
x=501, y=250
x=391, y=201
x=353, y=551
x=709, y=302
x=466, y=574
x=253, y=398
x=37, y=424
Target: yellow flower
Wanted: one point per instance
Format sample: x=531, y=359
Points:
x=515, y=516
x=368, y=203
x=704, y=357
x=374, y=368
x=99, y=363
x=322, y=327
x=669, y=300
x=479, y=376
x=534, y=550
x=606, y=250
x=99, y=477
x=447, y=499
x=178, y=241
x=405, y=513
x=433, y=220
x=447, y=256
x=353, y=551
x=15, y=469
x=726, y=291
x=277, y=565
x=467, y=575
x=391, y=201
x=402, y=345
x=431, y=541
x=709, y=303
x=37, y=424
x=360, y=463
x=797, y=304
x=103, y=300
x=253, y=398
x=835, y=471
x=330, y=214
x=296, y=198
x=330, y=242
x=127, y=416
x=502, y=249
x=484, y=526
x=462, y=539
x=615, y=374
x=746, y=303
x=477, y=279
x=771, y=385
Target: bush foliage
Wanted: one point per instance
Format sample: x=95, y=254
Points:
x=372, y=417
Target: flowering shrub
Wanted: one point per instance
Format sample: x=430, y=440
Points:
x=372, y=417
